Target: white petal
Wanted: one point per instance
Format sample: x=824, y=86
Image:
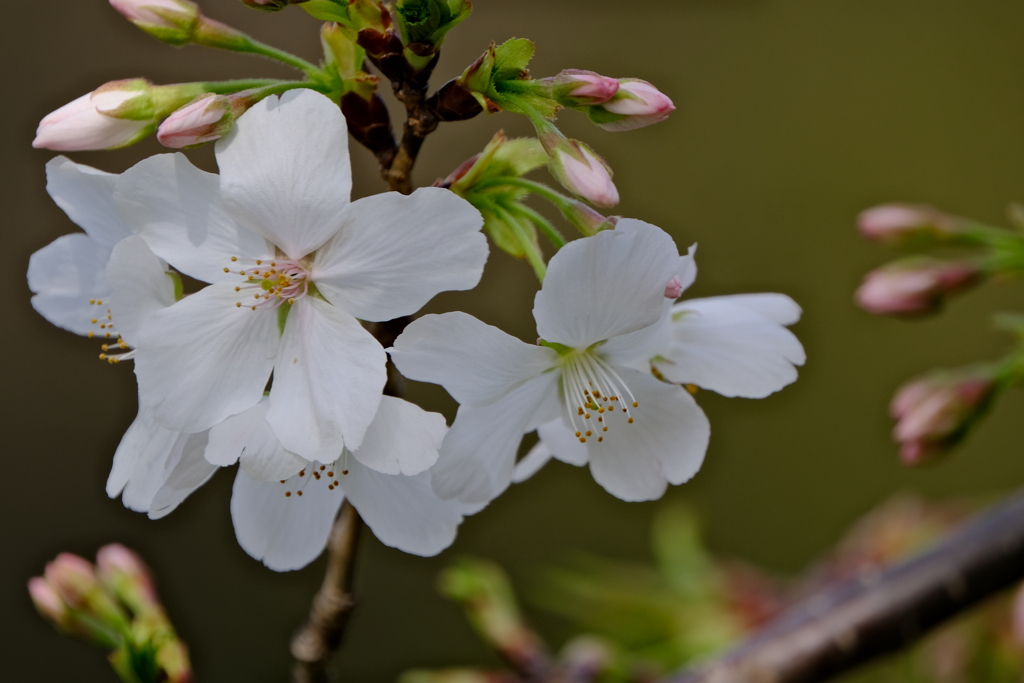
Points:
x=327, y=381
x=204, y=359
x=248, y=436
x=563, y=442
x=402, y=439
x=395, y=253
x=285, y=170
x=687, y=273
x=86, y=195
x=531, y=463
x=191, y=472
x=778, y=308
x=143, y=286
x=286, y=532
x=636, y=349
x=476, y=363
x=664, y=445
x=402, y=511
x=65, y=275
x=730, y=348
x=155, y=469
x=178, y=210
x=479, y=452
x=600, y=287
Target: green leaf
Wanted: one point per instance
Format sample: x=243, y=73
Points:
x=503, y=236
x=512, y=58
x=327, y=10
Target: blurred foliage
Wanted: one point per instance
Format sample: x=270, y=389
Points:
x=640, y=621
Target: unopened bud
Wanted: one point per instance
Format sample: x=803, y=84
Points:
x=76, y=582
x=127, y=576
x=914, y=286
x=84, y=124
x=172, y=21
x=900, y=222
x=577, y=88
x=48, y=603
x=636, y=104
x=583, y=173
x=674, y=288
x=934, y=412
x=206, y=119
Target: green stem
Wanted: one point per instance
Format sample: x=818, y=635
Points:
x=568, y=207
x=532, y=252
x=258, y=48
x=545, y=226
x=230, y=87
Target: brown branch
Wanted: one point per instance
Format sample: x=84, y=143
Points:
x=873, y=615
x=315, y=645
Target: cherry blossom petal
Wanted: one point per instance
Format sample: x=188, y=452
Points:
x=687, y=272
x=205, y=359
x=327, y=381
x=479, y=452
x=602, y=286
x=248, y=436
x=144, y=286
x=65, y=275
x=86, y=195
x=636, y=349
x=155, y=469
x=665, y=444
x=285, y=171
x=531, y=463
x=178, y=210
x=563, y=443
x=778, y=308
x=286, y=526
x=476, y=363
x=394, y=253
x=402, y=439
x=731, y=348
x=403, y=512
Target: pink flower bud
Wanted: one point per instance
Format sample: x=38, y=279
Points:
x=161, y=14
x=47, y=601
x=73, y=578
x=934, y=412
x=898, y=222
x=636, y=104
x=914, y=286
x=577, y=88
x=127, y=576
x=583, y=173
x=674, y=288
x=81, y=125
x=207, y=118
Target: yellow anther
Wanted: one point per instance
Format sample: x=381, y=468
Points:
x=239, y=304
x=692, y=388
x=590, y=433
x=94, y=321
x=99, y=302
x=578, y=434
x=604, y=429
x=91, y=334
x=258, y=262
x=583, y=440
x=630, y=420
x=227, y=270
x=234, y=258
x=636, y=404
x=103, y=356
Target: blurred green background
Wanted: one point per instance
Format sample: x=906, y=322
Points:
x=793, y=115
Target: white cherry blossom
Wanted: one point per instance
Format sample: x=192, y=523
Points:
x=292, y=264
x=598, y=315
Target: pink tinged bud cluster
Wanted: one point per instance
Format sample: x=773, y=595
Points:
x=897, y=222
x=585, y=174
x=674, y=288
x=48, y=603
x=89, y=123
x=911, y=287
x=636, y=104
x=206, y=119
x=933, y=413
x=127, y=576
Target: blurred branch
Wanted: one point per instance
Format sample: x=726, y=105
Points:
x=315, y=645
x=878, y=613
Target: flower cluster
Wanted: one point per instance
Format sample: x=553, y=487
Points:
x=272, y=358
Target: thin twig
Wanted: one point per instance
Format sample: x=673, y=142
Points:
x=873, y=615
x=315, y=645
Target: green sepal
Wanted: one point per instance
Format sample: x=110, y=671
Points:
x=179, y=287
x=599, y=115
x=561, y=349
x=328, y=10
x=282, y=316
x=511, y=59
x=503, y=236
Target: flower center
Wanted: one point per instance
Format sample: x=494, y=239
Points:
x=593, y=392
x=270, y=283
x=104, y=320
x=318, y=475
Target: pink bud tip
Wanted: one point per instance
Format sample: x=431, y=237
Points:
x=148, y=11
x=72, y=577
x=586, y=87
x=639, y=103
x=589, y=178
x=893, y=222
x=80, y=125
x=46, y=600
x=913, y=287
x=674, y=288
x=206, y=119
